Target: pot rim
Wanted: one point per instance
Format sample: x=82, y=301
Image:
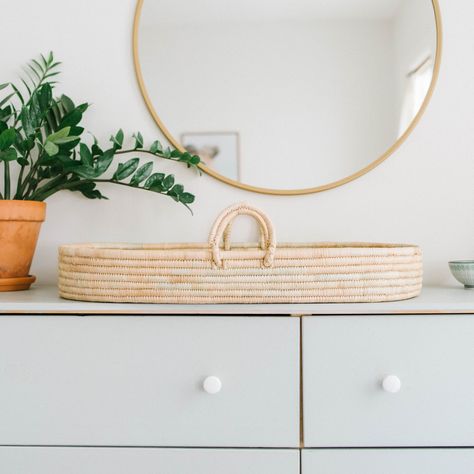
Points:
x=19, y=210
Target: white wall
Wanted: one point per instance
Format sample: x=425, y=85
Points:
x=422, y=194
x=323, y=91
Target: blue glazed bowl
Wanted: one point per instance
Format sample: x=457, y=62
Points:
x=463, y=271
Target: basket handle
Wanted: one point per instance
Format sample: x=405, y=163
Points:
x=228, y=231
x=223, y=225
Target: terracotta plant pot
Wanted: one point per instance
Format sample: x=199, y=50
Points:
x=20, y=223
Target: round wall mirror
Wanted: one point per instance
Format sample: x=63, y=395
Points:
x=287, y=96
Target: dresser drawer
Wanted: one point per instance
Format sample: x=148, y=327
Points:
x=387, y=461
x=138, y=381
x=347, y=358
x=18, y=460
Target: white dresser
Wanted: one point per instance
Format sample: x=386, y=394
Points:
x=92, y=388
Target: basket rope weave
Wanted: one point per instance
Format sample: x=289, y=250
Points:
x=216, y=273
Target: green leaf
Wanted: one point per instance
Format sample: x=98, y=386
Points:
x=62, y=141
x=117, y=140
x=71, y=119
x=5, y=84
x=104, y=161
x=45, y=97
x=138, y=140
x=76, y=131
x=5, y=113
x=26, y=86
x=177, y=189
x=168, y=182
x=26, y=122
x=7, y=138
x=18, y=93
x=60, y=134
x=22, y=161
x=153, y=180
x=186, y=198
x=38, y=65
x=142, y=173
x=35, y=112
x=96, y=150
x=34, y=71
x=167, y=152
x=156, y=147
x=86, y=172
x=86, y=155
x=50, y=148
x=87, y=189
x=6, y=99
x=8, y=155
x=67, y=103
x=195, y=160
x=124, y=170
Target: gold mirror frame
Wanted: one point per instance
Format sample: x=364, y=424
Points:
x=289, y=192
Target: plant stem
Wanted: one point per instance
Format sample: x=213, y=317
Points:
x=53, y=183
x=31, y=175
x=19, y=184
x=7, y=180
x=41, y=196
x=142, y=150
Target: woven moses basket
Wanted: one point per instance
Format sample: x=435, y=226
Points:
x=216, y=273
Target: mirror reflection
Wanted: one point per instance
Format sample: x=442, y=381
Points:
x=287, y=94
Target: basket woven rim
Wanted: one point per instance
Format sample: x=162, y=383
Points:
x=201, y=246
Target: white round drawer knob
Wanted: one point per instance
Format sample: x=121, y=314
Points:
x=212, y=384
x=392, y=384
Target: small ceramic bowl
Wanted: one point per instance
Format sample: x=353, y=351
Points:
x=463, y=271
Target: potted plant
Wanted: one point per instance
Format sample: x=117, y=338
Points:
x=43, y=151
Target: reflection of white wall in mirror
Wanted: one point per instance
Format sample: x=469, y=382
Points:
x=313, y=99
x=316, y=113
x=415, y=46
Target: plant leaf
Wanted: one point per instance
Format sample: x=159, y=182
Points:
x=45, y=97
x=168, y=182
x=138, y=140
x=88, y=189
x=51, y=148
x=117, y=140
x=142, y=173
x=18, y=93
x=6, y=99
x=8, y=155
x=156, y=147
x=22, y=161
x=154, y=179
x=103, y=161
x=86, y=155
x=67, y=103
x=186, y=198
x=62, y=141
x=60, y=134
x=177, y=189
x=7, y=138
x=124, y=170
x=71, y=119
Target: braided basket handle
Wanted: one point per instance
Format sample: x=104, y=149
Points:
x=222, y=227
x=228, y=231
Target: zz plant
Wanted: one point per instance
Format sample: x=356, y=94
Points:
x=42, y=137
